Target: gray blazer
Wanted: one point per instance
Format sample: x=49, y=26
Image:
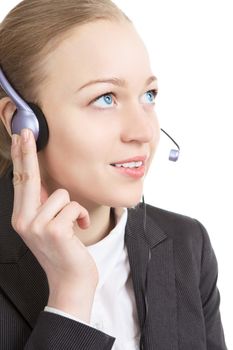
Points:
x=180, y=309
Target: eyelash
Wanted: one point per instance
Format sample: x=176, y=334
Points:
x=105, y=94
x=153, y=91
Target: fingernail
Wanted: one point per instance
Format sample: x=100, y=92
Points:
x=25, y=135
x=14, y=139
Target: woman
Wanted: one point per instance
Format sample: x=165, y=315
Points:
x=83, y=264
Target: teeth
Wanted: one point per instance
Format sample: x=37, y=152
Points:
x=129, y=165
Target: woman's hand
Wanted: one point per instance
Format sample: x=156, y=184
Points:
x=46, y=224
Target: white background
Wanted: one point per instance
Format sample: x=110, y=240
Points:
x=190, y=45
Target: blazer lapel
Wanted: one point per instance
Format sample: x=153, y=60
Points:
x=21, y=277
x=155, y=277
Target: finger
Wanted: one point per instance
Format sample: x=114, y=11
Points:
x=72, y=213
x=17, y=171
x=43, y=194
x=59, y=210
x=83, y=221
x=31, y=181
x=50, y=209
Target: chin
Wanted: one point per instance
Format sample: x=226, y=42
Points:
x=126, y=201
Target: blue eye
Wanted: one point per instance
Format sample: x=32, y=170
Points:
x=104, y=101
x=150, y=96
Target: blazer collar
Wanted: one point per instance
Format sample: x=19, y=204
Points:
x=151, y=234
x=151, y=259
x=24, y=282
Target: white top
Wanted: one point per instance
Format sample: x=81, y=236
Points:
x=114, y=309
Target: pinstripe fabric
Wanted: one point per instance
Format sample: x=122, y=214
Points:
x=182, y=297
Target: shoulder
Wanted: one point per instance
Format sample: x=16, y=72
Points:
x=189, y=237
x=177, y=226
x=192, y=249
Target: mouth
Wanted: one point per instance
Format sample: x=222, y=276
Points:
x=129, y=165
x=134, y=162
x=135, y=170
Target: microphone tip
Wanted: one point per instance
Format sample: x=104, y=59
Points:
x=174, y=155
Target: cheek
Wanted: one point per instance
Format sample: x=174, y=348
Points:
x=156, y=133
x=154, y=142
x=81, y=140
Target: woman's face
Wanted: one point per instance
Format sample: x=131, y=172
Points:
x=99, y=112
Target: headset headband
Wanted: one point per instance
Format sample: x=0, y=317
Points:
x=20, y=103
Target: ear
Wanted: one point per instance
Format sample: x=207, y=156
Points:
x=7, y=109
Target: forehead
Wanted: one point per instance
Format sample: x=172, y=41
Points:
x=100, y=48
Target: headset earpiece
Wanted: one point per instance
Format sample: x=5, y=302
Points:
x=34, y=120
x=43, y=135
x=28, y=115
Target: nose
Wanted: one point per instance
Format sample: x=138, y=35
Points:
x=139, y=125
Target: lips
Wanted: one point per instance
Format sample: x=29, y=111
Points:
x=134, y=159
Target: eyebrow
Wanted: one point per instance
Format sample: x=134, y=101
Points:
x=115, y=81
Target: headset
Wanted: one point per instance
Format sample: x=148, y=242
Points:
x=29, y=116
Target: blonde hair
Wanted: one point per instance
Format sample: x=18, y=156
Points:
x=32, y=30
